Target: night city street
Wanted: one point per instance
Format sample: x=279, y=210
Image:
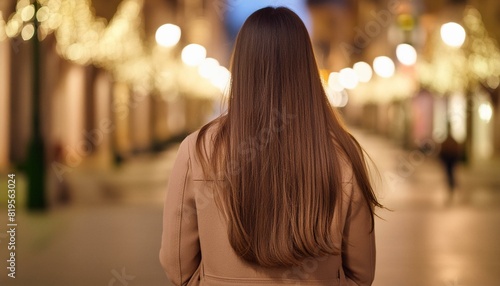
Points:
x=97, y=96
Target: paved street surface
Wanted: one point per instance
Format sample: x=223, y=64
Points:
x=111, y=234
x=431, y=238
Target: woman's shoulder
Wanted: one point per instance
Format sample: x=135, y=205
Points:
x=190, y=146
x=205, y=133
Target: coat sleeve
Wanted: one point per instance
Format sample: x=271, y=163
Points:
x=358, y=246
x=180, y=253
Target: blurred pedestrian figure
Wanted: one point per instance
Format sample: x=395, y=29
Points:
x=450, y=154
x=276, y=190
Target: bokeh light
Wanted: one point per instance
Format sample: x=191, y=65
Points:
x=193, y=54
x=168, y=35
x=28, y=32
x=384, y=66
x=334, y=82
x=221, y=79
x=485, y=112
x=27, y=13
x=364, y=71
x=453, y=34
x=337, y=98
x=122, y=87
x=348, y=78
x=43, y=14
x=406, y=54
x=208, y=67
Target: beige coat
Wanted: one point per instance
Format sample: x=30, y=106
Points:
x=195, y=249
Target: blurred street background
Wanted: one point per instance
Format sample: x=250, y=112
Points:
x=95, y=97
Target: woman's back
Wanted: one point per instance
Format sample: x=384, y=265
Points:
x=276, y=190
x=212, y=261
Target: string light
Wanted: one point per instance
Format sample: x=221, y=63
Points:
x=118, y=46
x=168, y=35
x=193, y=54
x=28, y=32
x=221, y=79
x=348, y=78
x=17, y=21
x=384, y=66
x=27, y=13
x=334, y=82
x=453, y=69
x=453, y=34
x=485, y=112
x=208, y=67
x=364, y=71
x=406, y=54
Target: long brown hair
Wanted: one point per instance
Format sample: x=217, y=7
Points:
x=274, y=156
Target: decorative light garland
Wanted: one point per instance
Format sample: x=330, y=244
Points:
x=458, y=69
x=118, y=46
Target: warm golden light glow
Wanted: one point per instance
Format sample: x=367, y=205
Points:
x=208, y=67
x=119, y=46
x=384, y=66
x=406, y=54
x=193, y=54
x=364, y=71
x=348, y=78
x=13, y=28
x=334, y=82
x=22, y=3
x=453, y=34
x=43, y=14
x=221, y=79
x=168, y=35
x=27, y=13
x=28, y=32
x=457, y=108
x=485, y=112
x=337, y=98
x=457, y=70
x=75, y=52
